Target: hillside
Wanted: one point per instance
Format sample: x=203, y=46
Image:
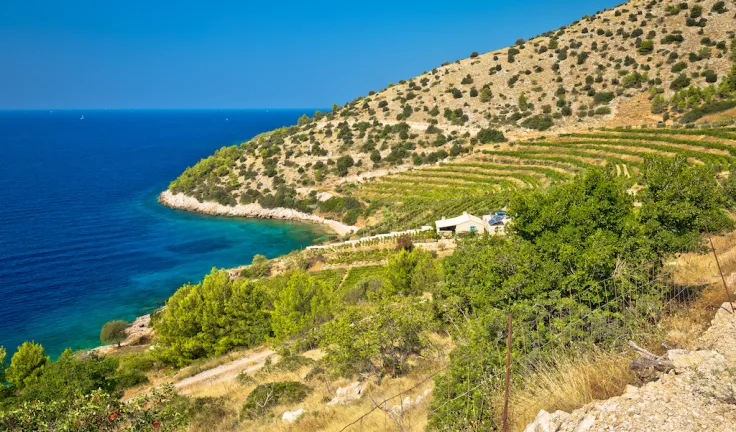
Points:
x=639, y=63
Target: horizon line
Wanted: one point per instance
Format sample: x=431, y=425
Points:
x=168, y=109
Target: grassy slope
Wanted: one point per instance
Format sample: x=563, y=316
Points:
x=294, y=157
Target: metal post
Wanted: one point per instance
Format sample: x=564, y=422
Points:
x=505, y=426
x=728, y=293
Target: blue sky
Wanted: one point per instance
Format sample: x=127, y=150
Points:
x=246, y=53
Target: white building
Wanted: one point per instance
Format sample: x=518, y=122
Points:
x=466, y=223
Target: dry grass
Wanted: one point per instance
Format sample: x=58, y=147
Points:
x=319, y=416
x=682, y=328
x=568, y=382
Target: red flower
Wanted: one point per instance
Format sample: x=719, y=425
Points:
x=156, y=425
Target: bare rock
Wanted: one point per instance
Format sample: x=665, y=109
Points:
x=546, y=422
x=292, y=416
x=348, y=393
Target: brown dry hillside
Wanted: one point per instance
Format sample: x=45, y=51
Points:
x=602, y=70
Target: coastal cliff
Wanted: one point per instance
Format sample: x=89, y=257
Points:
x=182, y=202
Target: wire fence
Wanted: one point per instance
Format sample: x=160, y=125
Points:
x=607, y=315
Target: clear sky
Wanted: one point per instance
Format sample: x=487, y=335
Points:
x=246, y=53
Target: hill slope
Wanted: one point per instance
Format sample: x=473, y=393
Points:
x=641, y=62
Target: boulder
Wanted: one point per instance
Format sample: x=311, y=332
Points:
x=292, y=416
x=348, y=393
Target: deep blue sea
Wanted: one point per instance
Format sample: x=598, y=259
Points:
x=82, y=238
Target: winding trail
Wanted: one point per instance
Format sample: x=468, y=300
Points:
x=226, y=372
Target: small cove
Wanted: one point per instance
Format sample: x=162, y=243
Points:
x=83, y=239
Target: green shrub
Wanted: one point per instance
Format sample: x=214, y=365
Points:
x=27, y=364
x=160, y=410
x=299, y=308
x=634, y=80
x=680, y=82
x=538, y=122
x=378, y=339
x=266, y=396
x=679, y=67
x=672, y=38
x=113, y=332
x=710, y=76
x=719, y=7
x=659, y=104
x=603, y=97
x=646, y=47
x=488, y=135
x=344, y=163
x=132, y=370
x=68, y=377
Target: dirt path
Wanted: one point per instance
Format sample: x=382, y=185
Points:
x=226, y=372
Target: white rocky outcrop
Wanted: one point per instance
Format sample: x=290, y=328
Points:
x=253, y=210
x=348, y=393
x=292, y=416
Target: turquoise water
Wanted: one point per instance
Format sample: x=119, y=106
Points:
x=82, y=238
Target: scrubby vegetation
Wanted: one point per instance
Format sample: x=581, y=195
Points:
x=596, y=214
x=266, y=396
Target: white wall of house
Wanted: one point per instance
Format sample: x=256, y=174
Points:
x=470, y=226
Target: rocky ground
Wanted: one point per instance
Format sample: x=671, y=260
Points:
x=698, y=394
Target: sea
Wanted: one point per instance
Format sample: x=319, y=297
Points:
x=83, y=239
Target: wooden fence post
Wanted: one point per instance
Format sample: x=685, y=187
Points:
x=728, y=293
x=505, y=426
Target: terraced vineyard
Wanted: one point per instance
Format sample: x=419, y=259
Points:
x=480, y=183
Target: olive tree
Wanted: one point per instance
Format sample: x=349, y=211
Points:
x=113, y=332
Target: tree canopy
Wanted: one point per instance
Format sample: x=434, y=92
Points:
x=211, y=318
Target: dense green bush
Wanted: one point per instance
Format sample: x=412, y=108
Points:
x=344, y=163
x=379, y=339
x=161, y=410
x=27, y=364
x=113, y=332
x=300, y=308
x=211, y=318
x=680, y=82
x=411, y=273
x=538, y=122
x=646, y=47
x=69, y=377
x=266, y=396
x=680, y=199
x=603, y=97
x=486, y=136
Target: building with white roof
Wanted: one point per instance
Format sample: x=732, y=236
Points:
x=466, y=223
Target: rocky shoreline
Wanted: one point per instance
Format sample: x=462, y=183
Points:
x=182, y=202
